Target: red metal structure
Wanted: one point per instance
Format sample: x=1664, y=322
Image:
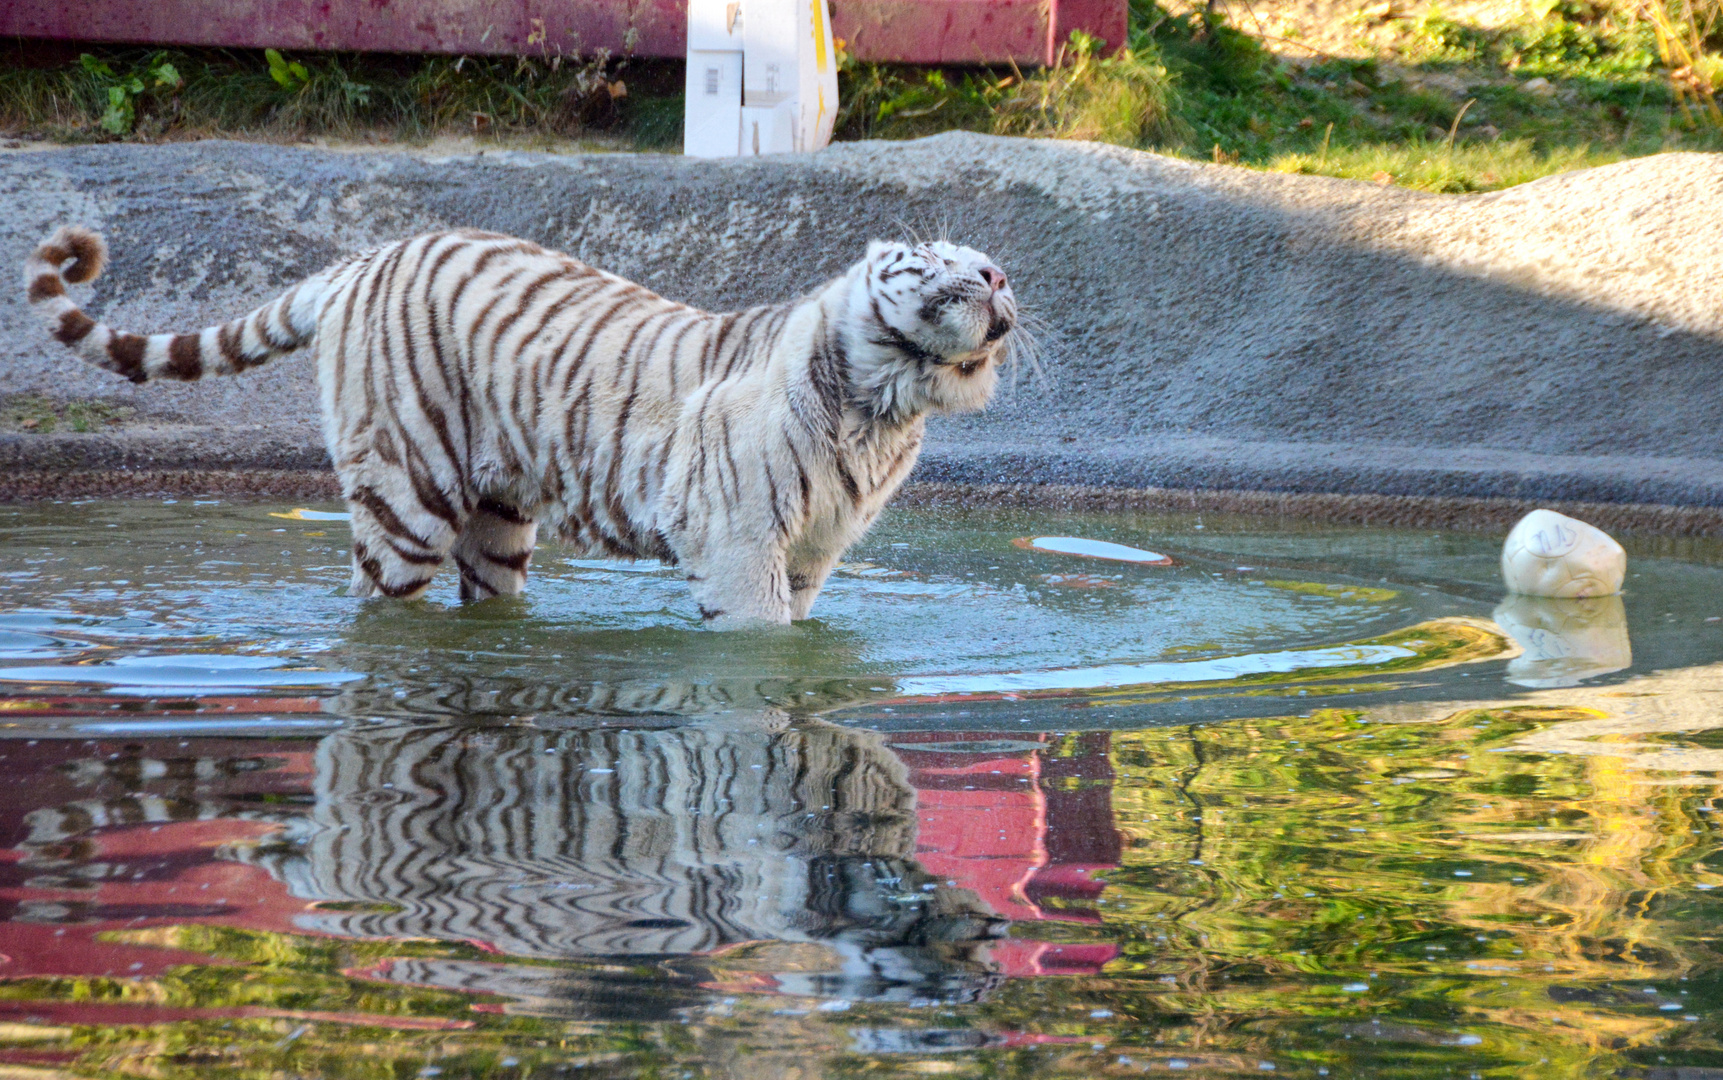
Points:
x=899, y=31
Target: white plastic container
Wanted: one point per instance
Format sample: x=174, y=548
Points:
x=1550, y=554
x=762, y=79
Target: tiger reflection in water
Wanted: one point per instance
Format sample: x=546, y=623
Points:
x=633, y=843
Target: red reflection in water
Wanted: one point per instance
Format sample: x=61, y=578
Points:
x=1024, y=822
x=1027, y=827
x=150, y=864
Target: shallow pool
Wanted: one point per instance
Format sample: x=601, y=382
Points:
x=1315, y=801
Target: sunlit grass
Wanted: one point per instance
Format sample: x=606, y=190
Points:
x=1123, y=99
x=1206, y=90
x=1126, y=99
x=1437, y=167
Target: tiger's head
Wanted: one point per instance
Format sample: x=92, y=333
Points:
x=930, y=323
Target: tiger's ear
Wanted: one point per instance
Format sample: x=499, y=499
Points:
x=878, y=249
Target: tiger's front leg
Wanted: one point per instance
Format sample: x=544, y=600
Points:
x=817, y=551
x=807, y=576
x=492, y=551
x=739, y=583
x=729, y=519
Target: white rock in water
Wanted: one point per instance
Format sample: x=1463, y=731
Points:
x=1564, y=642
x=1548, y=554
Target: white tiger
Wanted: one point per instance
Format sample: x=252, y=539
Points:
x=474, y=385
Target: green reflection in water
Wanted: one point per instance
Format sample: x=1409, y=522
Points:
x=1499, y=889
x=1505, y=887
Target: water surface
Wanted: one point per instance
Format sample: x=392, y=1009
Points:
x=1313, y=801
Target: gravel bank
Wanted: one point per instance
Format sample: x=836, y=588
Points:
x=1203, y=328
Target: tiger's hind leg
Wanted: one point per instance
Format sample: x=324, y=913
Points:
x=492, y=551
x=397, y=546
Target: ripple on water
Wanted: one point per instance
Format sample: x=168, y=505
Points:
x=184, y=673
x=575, y=831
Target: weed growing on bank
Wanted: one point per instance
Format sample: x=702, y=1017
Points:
x=160, y=94
x=1444, y=107
x=1125, y=98
x=37, y=415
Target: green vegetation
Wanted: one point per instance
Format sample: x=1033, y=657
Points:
x=1126, y=98
x=42, y=416
x=1441, y=105
x=178, y=94
x=1417, y=98
x=124, y=91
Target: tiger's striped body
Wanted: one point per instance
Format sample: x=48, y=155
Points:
x=474, y=385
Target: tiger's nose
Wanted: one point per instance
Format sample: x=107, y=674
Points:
x=993, y=276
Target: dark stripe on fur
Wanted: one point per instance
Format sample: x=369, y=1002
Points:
x=227, y=340
x=848, y=480
x=418, y=558
x=516, y=562
x=127, y=353
x=523, y=300
x=451, y=380
x=471, y=582
x=826, y=373
x=185, y=358
x=501, y=510
x=715, y=345
x=895, y=339
x=385, y=515
x=730, y=459
x=374, y=570
x=282, y=310
x=802, y=478
x=74, y=327
x=87, y=249
x=778, y=525
x=431, y=496
x=433, y=413
x=593, y=328
x=741, y=344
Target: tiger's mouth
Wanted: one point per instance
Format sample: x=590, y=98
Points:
x=970, y=363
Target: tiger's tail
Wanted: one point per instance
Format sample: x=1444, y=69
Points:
x=278, y=327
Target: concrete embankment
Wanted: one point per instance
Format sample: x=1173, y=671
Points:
x=1267, y=342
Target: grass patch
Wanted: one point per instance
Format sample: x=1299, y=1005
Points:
x=1126, y=98
x=35, y=415
x=1446, y=107
x=110, y=93
x=1440, y=167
